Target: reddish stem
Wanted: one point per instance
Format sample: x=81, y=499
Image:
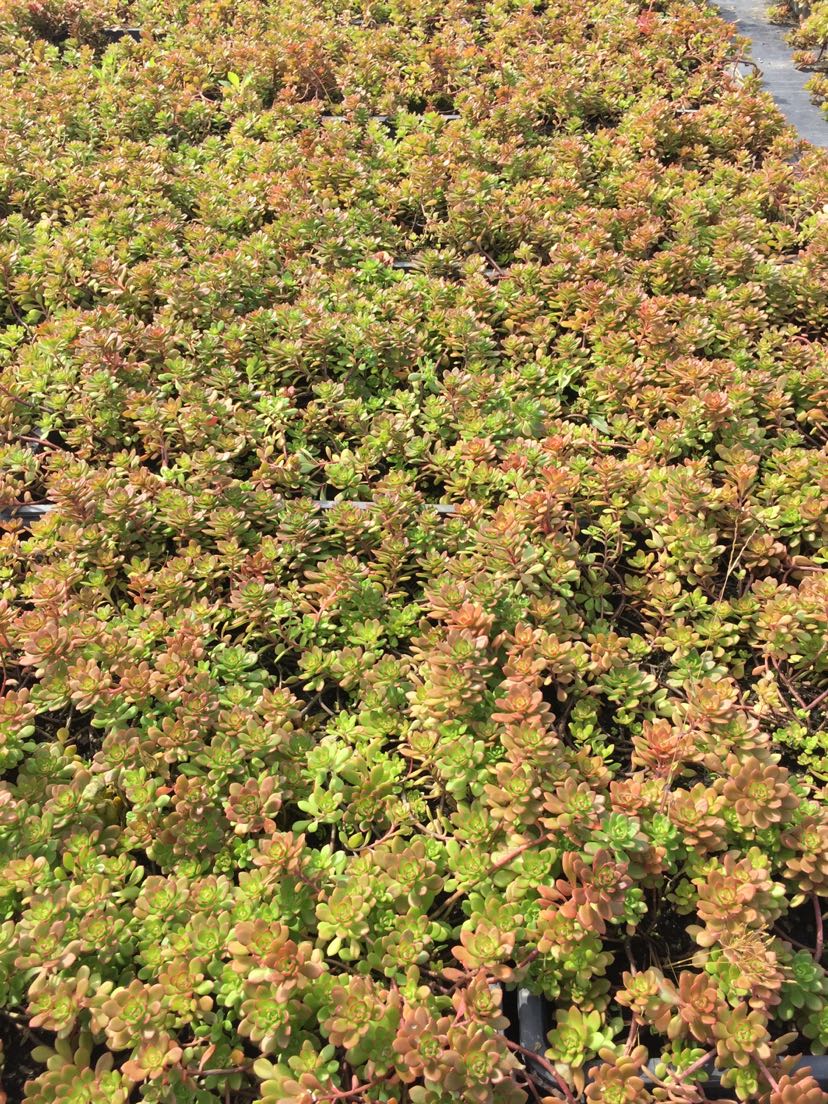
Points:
x=632, y=1036
x=513, y=854
x=818, y=700
x=530, y=1085
x=42, y=442
x=766, y=1073
x=820, y=930
x=18, y=398
x=694, y=1067
x=678, y=1077
x=790, y=939
x=631, y=957
x=545, y=1065
x=529, y=958
x=788, y=684
x=345, y=1094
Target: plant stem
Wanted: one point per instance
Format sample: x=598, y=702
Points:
x=18, y=398
x=790, y=939
x=529, y=958
x=632, y=1036
x=513, y=854
x=766, y=1073
x=677, y=1077
x=43, y=443
x=219, y=1072
x=820, y=929
x=694, y=1067
x=789, y=685
x=530, y=1085
x=818, y=700
x=630, y=957
x=545, y=1065
x=345, y=1094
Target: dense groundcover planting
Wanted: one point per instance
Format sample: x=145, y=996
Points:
x=295, y=798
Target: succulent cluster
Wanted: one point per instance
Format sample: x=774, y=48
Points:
x=432, y=402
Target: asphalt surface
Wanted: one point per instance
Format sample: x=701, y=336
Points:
x=780, y=77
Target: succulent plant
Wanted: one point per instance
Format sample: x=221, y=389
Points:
x=617, y=1079
x=759, y=793
x=804, y=985
x=152, y=1057
x=649, y=996
x=577, y=1038
x=266, y=1019
x=591, y=893
x=815, y=1028
x=798, y=1088
x=485, y=946
x=263, y=951
x=741, y=1035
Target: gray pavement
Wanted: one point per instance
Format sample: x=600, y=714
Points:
x=780, y=77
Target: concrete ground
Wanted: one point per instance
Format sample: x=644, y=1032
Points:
x=774, y=57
